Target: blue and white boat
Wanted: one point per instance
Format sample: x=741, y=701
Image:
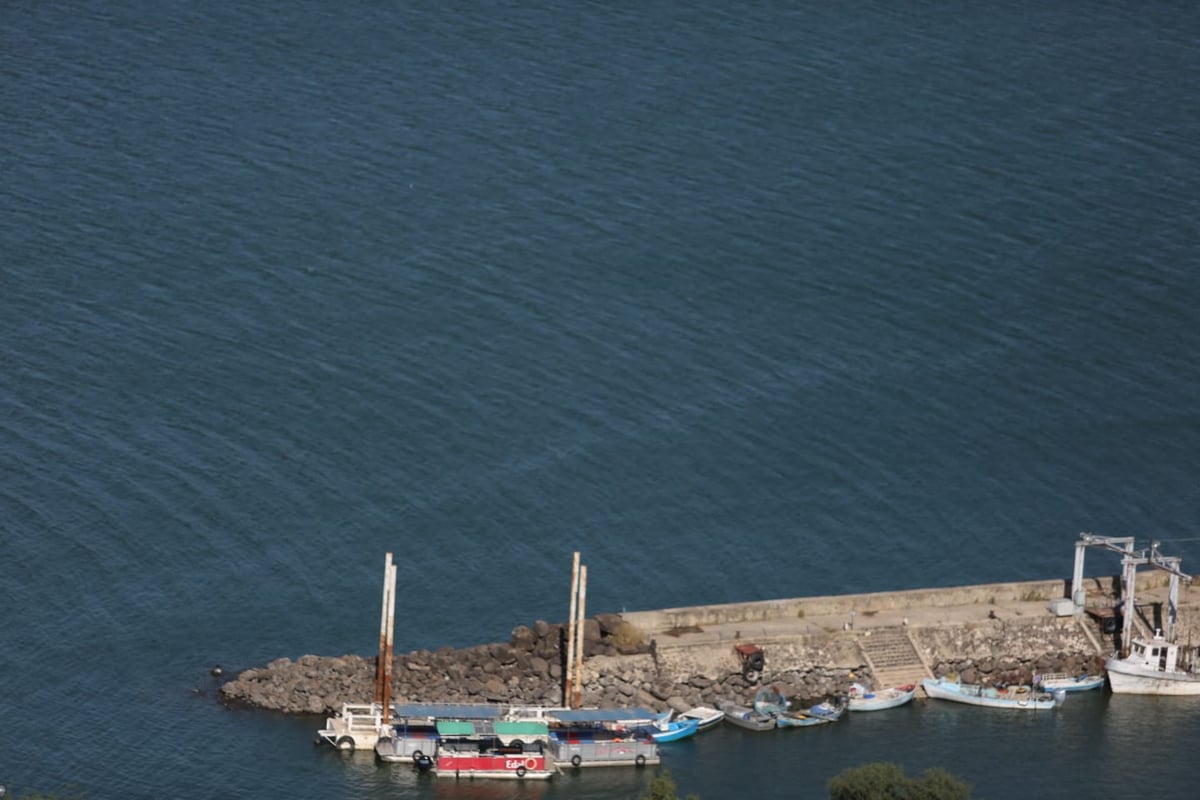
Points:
x=1018, y=698
x=1056, y=681
x=665, y=729
x=821, y=713
x=769, y=700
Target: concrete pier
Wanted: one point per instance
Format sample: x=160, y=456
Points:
x=813, y=646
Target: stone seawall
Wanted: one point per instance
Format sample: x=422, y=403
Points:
x=842, y=605
x=682, y=657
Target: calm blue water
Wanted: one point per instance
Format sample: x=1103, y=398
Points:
x=717, y=296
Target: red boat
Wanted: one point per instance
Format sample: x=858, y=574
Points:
x=465, y=751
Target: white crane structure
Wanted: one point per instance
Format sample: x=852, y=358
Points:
x=1130, y=560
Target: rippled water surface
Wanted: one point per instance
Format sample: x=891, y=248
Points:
x=741, y=303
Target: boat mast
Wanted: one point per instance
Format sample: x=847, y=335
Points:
x=579, y=627
x=383, y=618
x=568, y=683
x=389, y=645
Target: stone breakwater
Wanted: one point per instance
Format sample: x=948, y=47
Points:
x=528, y=669
x=627, y=666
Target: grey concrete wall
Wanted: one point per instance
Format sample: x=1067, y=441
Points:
x=652, y=622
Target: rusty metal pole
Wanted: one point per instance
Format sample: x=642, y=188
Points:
x=578, y=700
x=568, y=685
x=383, y=615
x=1128, y=607
x=387, y=663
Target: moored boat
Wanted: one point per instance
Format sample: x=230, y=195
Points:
x=357, y=726
x=412, y=734
x=1155, y=666
x=508, y=750
x=599, y=748
x=821, y=713
x=748, y=718
x=1019, y=698
x=412, y=744
x=863, y=698
x=1061, y=681
x=769, y=700
x=671, y=730
x=594, y=737
x=708, y=718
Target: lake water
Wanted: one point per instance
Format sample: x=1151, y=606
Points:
x=741, y=303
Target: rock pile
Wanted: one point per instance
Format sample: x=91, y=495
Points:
x=528, y=670
x=623, y=670
x=1013, y=671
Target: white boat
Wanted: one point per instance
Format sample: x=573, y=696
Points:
x=1056, y=681
x=409, y=744
x=863, y=698
x=357, y=726
x=747, y=718
x=1020, y=698
x=1157, y=666
x=707, y=717
x=595, y=737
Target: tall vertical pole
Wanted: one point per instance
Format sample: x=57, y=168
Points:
x=1078, y=596
x=387, y=663
x=1128, y=590
x=383, y=618
x=568, y=684
x=578, y=699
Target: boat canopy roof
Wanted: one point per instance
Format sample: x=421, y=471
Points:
x=448, y=711
x=614, y=715
x=454, y=727
x=504, y=730
x=520, y=728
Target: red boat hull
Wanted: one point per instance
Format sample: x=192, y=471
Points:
x=485, y=765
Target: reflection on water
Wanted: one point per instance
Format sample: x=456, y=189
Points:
x=488, y=789
x=1094, y=742
x=365, y=777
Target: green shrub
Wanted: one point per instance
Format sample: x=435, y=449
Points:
x=887, y=781
x=662, y=787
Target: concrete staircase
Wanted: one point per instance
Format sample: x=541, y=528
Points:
x=893, y=658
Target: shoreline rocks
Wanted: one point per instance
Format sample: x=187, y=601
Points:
x=622, y=669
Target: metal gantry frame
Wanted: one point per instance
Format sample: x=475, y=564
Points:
x=1130, y=561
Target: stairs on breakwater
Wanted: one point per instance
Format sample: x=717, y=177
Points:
x=893, y=657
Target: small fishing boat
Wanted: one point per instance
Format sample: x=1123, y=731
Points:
x=747, y=718
x=821, y=713
x=1019, y=698
x=1056, y=681
x=769, y=700
x=863, y=698
x=708, y=718
x=671, y=730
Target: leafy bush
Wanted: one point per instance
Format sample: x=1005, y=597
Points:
x=662, y=787
x=887, y=781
